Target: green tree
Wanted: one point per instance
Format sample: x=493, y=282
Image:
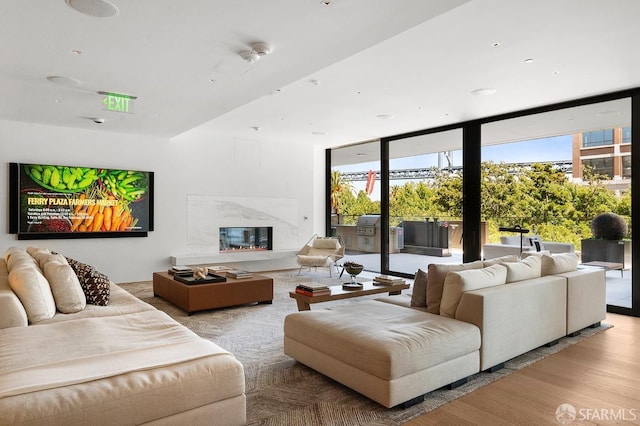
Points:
x=410, y=201
x=447, y=187
x=500, y=193
x=339, y=187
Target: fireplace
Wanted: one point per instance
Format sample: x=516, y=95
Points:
x=246, y=238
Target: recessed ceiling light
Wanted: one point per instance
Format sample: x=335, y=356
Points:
x=65, y=81
x=314, y=82
x=256, y=128
x=326, y=2
x=384, y=116
x=528, y=61
x=95, y=8
x=76, y=52
x=555, y=73
x=483, y=92
x=361, y=154
x=495, y=45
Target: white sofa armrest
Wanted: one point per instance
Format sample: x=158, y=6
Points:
x=586, y=298
x=517, y=317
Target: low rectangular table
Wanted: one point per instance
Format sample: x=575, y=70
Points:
x=201, y=297
x=337, y=293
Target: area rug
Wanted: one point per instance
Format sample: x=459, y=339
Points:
x=281, y=391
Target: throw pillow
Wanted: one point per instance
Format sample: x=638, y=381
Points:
x=20, y=257
x=437, y=272
x=501, y=259
x=559, y=263
x=419, y=295
x=457, y=283
x=65, y=286
x=34, y=292
x=95, y=285
x=10, y=251
x=39, y=254
x=530, y=267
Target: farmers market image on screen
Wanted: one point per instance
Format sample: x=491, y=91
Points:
x=66, y=199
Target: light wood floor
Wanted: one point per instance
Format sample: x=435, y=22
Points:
x=600, y=376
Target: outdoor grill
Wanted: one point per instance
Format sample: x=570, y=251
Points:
x=367, y=224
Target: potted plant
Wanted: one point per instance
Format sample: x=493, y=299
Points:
x=608, y=243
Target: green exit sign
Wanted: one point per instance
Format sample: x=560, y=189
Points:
x=117, y=102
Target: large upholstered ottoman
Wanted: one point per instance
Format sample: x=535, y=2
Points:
x=391, y=354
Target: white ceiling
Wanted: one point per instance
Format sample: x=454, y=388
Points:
x=381, y=67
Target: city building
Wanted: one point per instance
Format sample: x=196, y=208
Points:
x=606, y=152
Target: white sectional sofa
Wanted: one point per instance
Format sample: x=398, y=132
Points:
x=461, y=320
x=121, y=363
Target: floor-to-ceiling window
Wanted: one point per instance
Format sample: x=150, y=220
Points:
x=425, y=200
x=563, y=194
x=552, y=174
x=355, y=202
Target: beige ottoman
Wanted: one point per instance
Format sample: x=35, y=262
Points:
x=389, y=353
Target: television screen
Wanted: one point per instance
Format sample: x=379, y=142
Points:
x=55, y=201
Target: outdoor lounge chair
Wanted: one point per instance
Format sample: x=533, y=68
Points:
x=320, y=252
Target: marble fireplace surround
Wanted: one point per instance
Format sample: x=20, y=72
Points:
x=206, y=214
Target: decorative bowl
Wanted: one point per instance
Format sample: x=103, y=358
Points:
x=353, y=268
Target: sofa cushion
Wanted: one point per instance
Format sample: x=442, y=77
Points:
x=458, y=282
x=10, y=251
x=325, y=243
x=64, y=284
x=501, y=259
x=419, y=290
x=437, y=272
x=12, y=313
x=559, y=263
x=33, y=290
x=20, y=257
x=95, y=284
x=382, y=339
x=530, y=267
x=39, y=254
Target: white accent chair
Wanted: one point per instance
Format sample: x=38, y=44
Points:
x=320, y=252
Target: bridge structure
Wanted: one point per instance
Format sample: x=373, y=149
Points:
x=427, y=173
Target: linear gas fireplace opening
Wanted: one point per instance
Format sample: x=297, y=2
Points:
x=246, y=238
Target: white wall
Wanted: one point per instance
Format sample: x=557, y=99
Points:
x=211, y=165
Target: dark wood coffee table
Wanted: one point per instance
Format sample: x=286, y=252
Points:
x=201, y=297
x=337, y=293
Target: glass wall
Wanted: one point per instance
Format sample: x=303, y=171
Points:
x=559, y=172
x=355, y=202
x=425, y=201
x=550, y=170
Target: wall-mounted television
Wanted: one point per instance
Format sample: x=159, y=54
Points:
x=59, y=201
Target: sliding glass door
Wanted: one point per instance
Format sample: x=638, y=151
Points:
x=355, y=202
x=425, y=201
x=552, y=174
